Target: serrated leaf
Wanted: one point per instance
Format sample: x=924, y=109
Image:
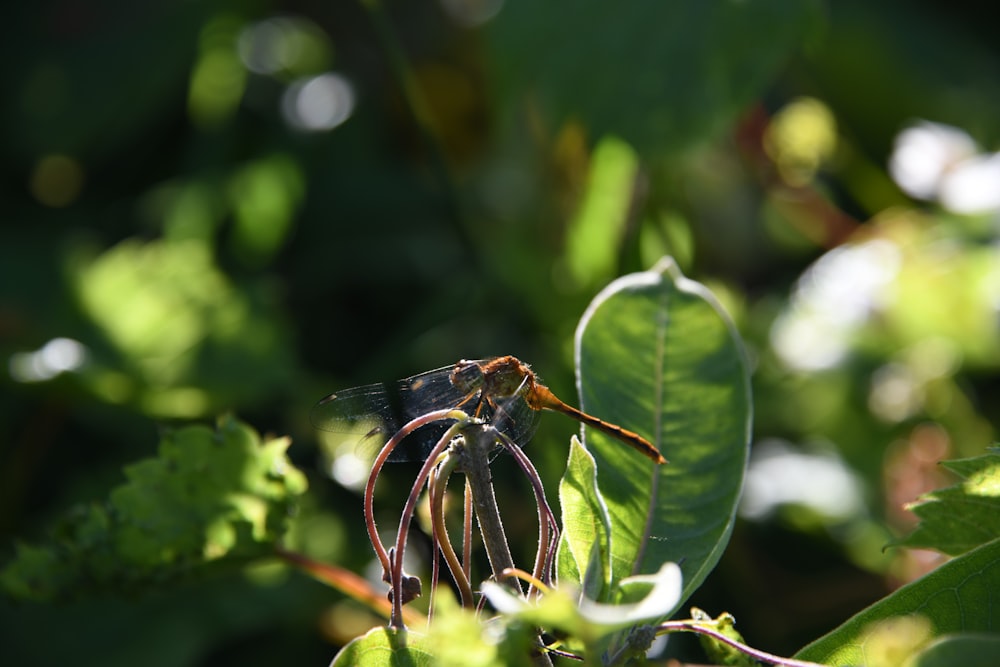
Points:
x=959, y=596
x=958, y=518
x=584, y=557
x=661, y=75
x=657, y=355
x=209, y=496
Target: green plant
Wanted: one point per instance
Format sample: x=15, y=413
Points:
x=655, y=351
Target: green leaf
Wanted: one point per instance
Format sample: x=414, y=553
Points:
x=562, y=611
x=584, y=557
x=656, y=354
x=457, y=638
x=959, y=596
x=209, y=498
x=384, y=646
x=965, y=649
x=958, y=518
x=661, y=75
x=594, y=237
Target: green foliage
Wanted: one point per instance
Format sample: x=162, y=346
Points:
x=181, y=340
x=968, y=649
x=693, y=65
x=658, y=354
x=457, y=638
x=384, y=646
x=209, y=498
x=176, y=246
x=933, y=620
x=961, y=517
x=584, y=556
x=956, y=597
x=719, y=652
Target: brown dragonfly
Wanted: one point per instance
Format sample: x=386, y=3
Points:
x=502, y=391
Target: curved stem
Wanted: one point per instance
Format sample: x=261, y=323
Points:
x=437, y=484
x=383, y=455
x=467, y=532
x=396, y=573
x=548, y=528
x=757, y=654
x=479, y=443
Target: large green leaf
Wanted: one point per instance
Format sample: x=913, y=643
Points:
x=656, y=354
x=662, y=75
x=959, y=596
x=961, y=517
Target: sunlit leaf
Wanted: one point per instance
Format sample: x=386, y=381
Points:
x=960, y=517
x=657, y=355
x=585, y=552
x=594, y=237
x=209, y=497
x=383, y=646
x=176, y=337
x=959, y=596
x=562, y=610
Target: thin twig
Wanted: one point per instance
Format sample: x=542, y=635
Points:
x=757, y=654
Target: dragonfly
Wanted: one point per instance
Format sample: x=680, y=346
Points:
x=502, y=391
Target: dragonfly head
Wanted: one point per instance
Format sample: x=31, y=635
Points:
x=506, y=376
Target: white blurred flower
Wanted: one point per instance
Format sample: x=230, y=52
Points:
x=832, y=299
x=941, y=163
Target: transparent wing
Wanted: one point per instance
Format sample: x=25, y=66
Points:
x=369, y=415
x=366, y=417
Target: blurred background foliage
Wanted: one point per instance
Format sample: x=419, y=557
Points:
x=244, y=205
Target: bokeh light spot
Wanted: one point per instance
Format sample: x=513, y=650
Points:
x=56, y=180
x=800, y=138
x=284, y=45
x=781, y=475
x=973, y=186
x=471, y=13
x=59, y=355
x=218, y=79
x=318, y=103
x=832, y=300
x=924, y=153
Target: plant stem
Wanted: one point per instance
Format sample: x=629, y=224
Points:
x=437, y=485
x=548, y=528
x=479, y=443
x=756, y=654
x=480, y=440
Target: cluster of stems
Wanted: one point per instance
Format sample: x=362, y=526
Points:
x=466, y=447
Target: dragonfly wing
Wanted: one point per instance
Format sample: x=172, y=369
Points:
x=369, y=415
x=514, y=417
